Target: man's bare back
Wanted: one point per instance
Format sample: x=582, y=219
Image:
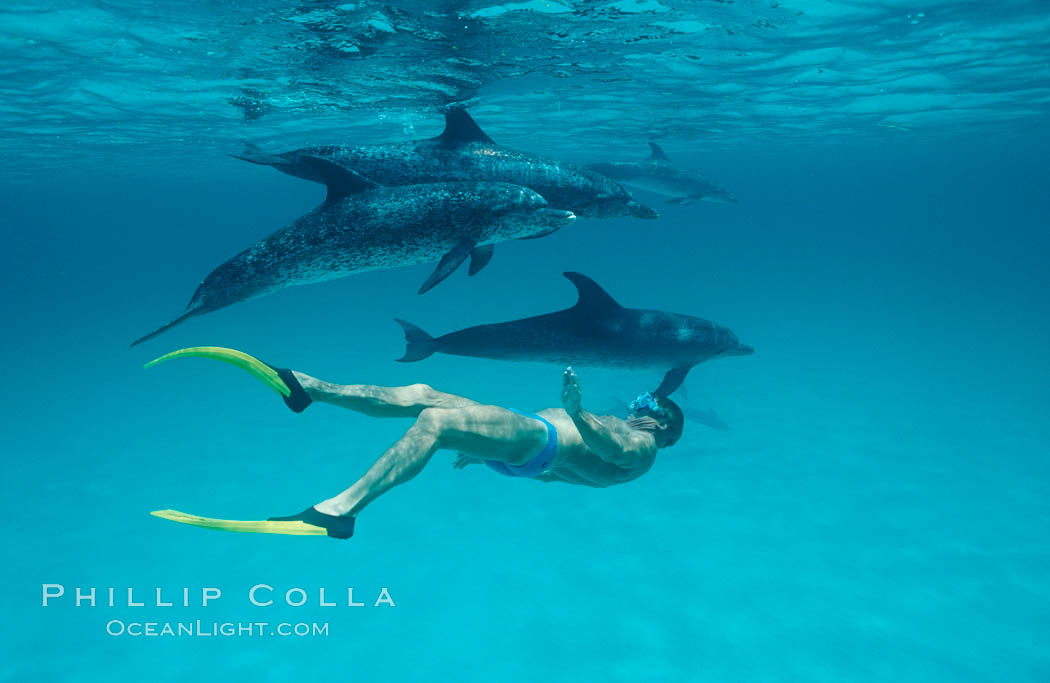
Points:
x=577, y=463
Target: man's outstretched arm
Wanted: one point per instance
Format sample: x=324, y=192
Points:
x=627, y=450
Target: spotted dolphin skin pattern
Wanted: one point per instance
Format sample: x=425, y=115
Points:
x=596, y=331
x=463, y=152
x=659, y=174
x=364, y=227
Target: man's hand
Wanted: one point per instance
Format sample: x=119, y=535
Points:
x=462, y=460
x=571, y=393
x=627, y=451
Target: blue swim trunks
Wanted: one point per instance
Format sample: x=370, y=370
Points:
x=538, y=464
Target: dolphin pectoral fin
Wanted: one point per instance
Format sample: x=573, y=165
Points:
x=480, y=257
x=257, y=155
x=449, y=262
x=672, y=380
x=341, y=181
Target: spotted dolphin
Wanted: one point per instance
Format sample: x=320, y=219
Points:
x=364, y=227
x=658, y=174
x=464, y=152
x=596, y=331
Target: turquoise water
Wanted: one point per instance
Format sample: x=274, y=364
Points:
x=879, y=509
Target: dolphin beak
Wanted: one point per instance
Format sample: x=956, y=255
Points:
x=557, y=218
x=740, y=350
x=641, y=210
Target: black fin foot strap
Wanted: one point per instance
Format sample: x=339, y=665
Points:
x=297, y=400
x=338, y=527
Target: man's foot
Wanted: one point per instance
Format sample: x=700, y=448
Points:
x=338, y=527
x=297, y=399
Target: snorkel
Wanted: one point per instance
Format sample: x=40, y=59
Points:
x=645, y=404
x=644, y=412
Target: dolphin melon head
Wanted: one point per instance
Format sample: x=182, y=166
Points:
x=610, y=199
x=524, y=214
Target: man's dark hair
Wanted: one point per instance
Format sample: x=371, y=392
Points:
x=673, y=417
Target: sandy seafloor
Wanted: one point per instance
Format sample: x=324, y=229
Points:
x=879, y=510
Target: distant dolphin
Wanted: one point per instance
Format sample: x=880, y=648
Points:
x=658, y=174
x=596, y=331
x=464, y=152
x=364, y=227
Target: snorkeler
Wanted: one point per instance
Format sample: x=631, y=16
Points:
x=565, y=444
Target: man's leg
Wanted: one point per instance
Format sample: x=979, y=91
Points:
x=485, y=431
x=376, y=401
x=299, y=390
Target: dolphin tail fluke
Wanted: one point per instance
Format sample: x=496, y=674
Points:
x=257, y=155
x=164, y=328
x=418, y=344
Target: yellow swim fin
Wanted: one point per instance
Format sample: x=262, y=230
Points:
x=258, y=369
x=281, y=380
x=327, y=525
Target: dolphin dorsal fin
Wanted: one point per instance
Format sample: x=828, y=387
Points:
x=593, y=300
x=461, y=128
x=658, y=154
x=341, y=181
